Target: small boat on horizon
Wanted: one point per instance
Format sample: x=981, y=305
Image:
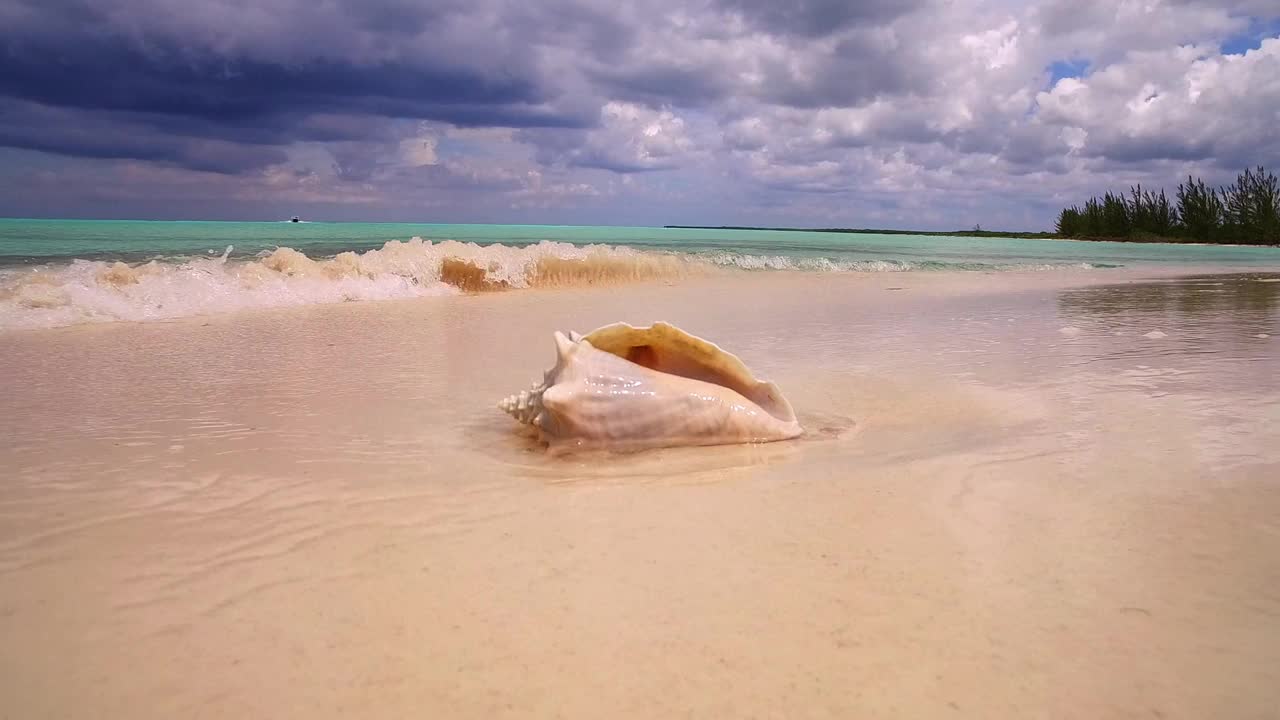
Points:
x=295, y=218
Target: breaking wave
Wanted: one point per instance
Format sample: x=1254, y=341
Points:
x=96, y=291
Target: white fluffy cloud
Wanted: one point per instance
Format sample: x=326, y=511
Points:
x=632, y=137
x=991, y=120
x=1184, y=103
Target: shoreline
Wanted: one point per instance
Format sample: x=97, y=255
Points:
x=960, y=281
x=994, y=234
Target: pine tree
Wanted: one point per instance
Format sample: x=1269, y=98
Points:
x=1115, y=216
x=1069, y=222
x=1246, y=211
x=1200, y=209
x=1251, y=208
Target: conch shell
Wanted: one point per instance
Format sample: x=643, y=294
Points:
x=624, y=387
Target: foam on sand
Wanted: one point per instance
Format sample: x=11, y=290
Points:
x=95, y=291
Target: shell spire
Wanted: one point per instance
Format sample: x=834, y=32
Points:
x=525, y=405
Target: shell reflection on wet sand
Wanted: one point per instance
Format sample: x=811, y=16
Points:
x=316, y=512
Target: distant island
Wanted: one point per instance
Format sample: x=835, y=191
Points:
x=1247, y=212
x=976, y=232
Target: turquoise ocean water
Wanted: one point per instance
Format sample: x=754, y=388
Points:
x=27, y=242
x=65, y=272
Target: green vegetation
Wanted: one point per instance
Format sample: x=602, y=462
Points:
x=1246, y=212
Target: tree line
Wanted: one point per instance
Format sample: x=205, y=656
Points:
x=1246, y=212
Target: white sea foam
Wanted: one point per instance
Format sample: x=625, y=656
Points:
x=741, y=261
x=95, y=291
x=87, y=291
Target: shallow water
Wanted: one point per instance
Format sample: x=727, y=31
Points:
x=1014, y=500
x=26, y=242
x=65, y=272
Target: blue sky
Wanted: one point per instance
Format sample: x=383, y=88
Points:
x=932, y=114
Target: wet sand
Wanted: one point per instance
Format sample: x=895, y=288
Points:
x=1021, y=495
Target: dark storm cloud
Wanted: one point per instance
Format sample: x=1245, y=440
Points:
x=1144, y=149
x=818, y=17
x=863, y=65
x=401, y=17
x=63, y=132
x=165, y=77
x=261, y=75
x=660, y=84
x=123, y=63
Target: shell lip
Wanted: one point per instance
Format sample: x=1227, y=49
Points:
x=710, y=356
